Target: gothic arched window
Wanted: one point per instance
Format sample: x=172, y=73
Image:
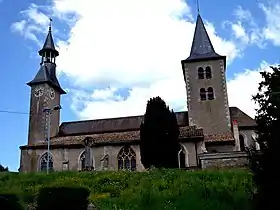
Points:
x=202, y=94
x=200, y=73
x=208, y=72
x=44, y=162
x=127, y=159
x=83, y=161
x=210, y=93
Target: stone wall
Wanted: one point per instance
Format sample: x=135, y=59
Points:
x=70, y=159
x=221, y=160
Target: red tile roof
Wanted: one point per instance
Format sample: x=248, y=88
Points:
x=130, y=136
x=132, y=123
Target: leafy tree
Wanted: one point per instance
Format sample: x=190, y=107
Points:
x=159, y=134
x=2, y=168
x=264, y=164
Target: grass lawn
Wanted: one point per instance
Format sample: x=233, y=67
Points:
x=155, y=190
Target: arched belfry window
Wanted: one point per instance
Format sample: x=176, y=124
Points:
x=200, y=73
x=208, y=72
x=210, y=93
x=44, y=162
x=127, y=159
x=202, y=94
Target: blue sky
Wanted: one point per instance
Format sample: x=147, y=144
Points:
x=114, y=56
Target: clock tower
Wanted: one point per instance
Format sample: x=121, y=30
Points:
x=45, y=93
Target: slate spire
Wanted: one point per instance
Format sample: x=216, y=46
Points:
x=49, y=46
x=47, y=71
x=202, y=47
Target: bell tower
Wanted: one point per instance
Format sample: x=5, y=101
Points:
x=45, y=93
x=204, y=74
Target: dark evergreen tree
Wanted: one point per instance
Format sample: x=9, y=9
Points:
x=3, y=169
x=159, y=134
x=264, y=164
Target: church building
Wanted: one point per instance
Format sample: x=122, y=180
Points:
x=211, y=132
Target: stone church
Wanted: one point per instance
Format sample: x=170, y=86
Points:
x=211, y=132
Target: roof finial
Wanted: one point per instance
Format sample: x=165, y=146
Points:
x=50, y=25
x=197, y=5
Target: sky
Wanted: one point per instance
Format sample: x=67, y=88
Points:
x=115, y=55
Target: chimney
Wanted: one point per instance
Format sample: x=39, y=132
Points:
x=236, y=135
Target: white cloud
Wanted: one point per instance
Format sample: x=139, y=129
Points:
x=136, y=46
x=239, y=32
x=25, y=30
x=36, y=16
x=243, y=14
x=126, y=43
x=272, y=16
x=35, y=22
x=243, y=86
x=245, y=29
x=19, y=26
x=255, y=33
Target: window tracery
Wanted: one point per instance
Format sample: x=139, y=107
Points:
x=44, y=161
x=127, y=159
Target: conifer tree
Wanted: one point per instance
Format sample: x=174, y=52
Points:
x=159, y=134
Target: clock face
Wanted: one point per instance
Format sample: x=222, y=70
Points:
x=39, y=91
x=52, y=93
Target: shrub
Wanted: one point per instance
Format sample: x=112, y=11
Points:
x=9, y=201
x=57, y=198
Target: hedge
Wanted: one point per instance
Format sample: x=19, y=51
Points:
x=10, y=201
x=57, y=198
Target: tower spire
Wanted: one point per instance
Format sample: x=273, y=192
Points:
x=49, y=46
x=197, y=6
x=202, y=47
x=47, y=71
x=50, y=25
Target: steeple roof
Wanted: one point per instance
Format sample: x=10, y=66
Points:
x=47, y=71
x=49, y=45
x=202, y=47
x=46, y=74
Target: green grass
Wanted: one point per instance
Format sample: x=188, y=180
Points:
x=156, y=190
